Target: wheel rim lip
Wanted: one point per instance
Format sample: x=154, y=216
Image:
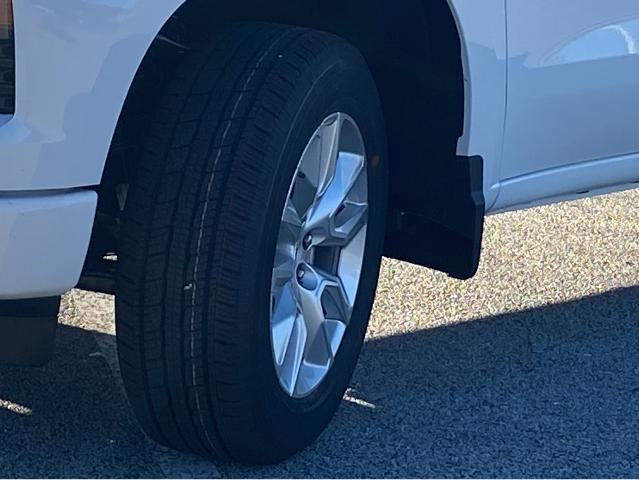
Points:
x=347, y=263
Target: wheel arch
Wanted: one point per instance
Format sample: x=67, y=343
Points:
x=416, y=53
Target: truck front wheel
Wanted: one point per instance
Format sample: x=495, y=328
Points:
x=251, y=244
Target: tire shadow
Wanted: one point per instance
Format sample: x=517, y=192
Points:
x=547, y=392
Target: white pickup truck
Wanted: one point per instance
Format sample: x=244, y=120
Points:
x=234, y=170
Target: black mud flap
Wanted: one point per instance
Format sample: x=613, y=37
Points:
x=445, y=229
x=27, y=330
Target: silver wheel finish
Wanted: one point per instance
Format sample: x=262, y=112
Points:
x=319, y=255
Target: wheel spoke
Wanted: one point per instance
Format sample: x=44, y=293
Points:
x=335, y=300
x=302, y=195
x=349, y=221
x=291, y=223
x=334, y=331
x=283, y=320
x=325, y=308
x=310, y=301
x=324, y=297
x=318, y=354
x=289, y=371
x=329, y=136
x=284, y=265
x=341, y=211
x=350, y=264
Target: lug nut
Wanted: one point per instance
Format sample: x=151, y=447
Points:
x=308, y=241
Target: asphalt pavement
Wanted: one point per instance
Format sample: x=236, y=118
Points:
x=529, y=369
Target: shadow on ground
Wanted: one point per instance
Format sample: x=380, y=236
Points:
x=552, y=391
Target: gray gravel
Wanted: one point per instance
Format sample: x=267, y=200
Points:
x=530, y=369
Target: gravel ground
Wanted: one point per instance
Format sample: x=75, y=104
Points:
x=530, y=369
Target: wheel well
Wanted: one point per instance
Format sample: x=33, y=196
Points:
x=413, y=49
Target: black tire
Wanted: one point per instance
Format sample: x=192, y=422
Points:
x=200, y=228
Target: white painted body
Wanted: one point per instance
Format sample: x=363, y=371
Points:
x=573, y=99
x=43, y=240
x=552, y=104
